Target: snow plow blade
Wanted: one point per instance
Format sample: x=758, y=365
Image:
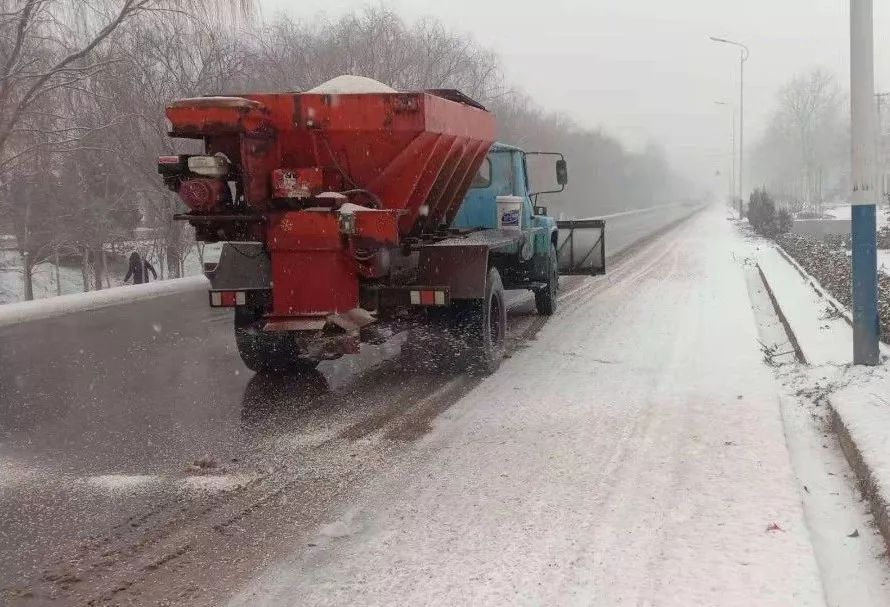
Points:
x=581, y=247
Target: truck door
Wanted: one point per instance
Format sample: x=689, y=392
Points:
x=581, y=247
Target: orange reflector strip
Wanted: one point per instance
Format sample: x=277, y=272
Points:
x=428, y=298
x=227, y=299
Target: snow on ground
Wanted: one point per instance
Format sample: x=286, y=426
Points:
x=652, y=209
x=44, y=279
x=839, y=212
x=852, y=568
x=844, y=211
x=121, y=482
x=11, y=288
x=215, y=482
x=633, y=454
x=862, y=401
x=857, y=394
x=824, y=336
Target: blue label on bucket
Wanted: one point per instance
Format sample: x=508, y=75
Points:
x=510, y=219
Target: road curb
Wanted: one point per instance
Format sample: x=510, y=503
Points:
x=868, y=487
x=792, y=338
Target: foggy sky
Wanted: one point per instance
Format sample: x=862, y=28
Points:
x=645, y=70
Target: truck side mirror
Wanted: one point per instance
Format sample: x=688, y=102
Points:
x=541, y=211
x=562, y=172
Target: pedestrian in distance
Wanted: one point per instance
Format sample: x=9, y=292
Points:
x=139, y=269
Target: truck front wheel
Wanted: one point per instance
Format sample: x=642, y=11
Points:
x=545, y=297
x=266, y=352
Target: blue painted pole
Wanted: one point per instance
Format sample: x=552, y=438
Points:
x=865, y=286
x=864, y=197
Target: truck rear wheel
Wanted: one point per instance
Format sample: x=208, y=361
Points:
x=484, y=325
x=545, y=297
x=266, y=352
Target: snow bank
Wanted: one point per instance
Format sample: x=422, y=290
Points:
x=11, y=314
x=348, y=84
x=844, y=211
x=659, y=207
x=860, y=410
x=861, y=418
x=825, y=337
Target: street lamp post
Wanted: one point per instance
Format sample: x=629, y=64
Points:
x=743, y=56
x=864, y=194
x=732, y=187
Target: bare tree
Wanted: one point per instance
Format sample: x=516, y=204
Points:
x=49, y=48
x=159, y=61
x=804, y=146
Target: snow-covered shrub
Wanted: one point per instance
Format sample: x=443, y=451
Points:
x=833, y=269
x=764, y=218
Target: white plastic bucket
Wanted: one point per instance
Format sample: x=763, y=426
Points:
x=509, y=212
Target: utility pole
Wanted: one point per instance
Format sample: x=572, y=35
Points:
x=881, y=181
x=732, y=182
x=864, y=194
x=743, y=57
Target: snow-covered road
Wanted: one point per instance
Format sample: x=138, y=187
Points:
x=631, y=450
x=632, y=454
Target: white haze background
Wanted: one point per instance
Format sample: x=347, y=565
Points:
x=645, y=69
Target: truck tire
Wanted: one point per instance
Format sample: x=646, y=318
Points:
x=483, y=323
x=264, y=352
x=545, y=298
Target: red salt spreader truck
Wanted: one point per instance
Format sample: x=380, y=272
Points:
x=347, y=218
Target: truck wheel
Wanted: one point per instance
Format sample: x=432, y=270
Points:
x=266, y=352
x=485, y=325
x=545, y=298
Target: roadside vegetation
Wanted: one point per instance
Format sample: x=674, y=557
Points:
x=833, y=269
x=764, y=218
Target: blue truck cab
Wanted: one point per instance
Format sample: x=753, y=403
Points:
x=543, y=248
x=503, y=173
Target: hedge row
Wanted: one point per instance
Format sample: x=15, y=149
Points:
x=833, y=269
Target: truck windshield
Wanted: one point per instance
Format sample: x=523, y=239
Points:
x=483, y=175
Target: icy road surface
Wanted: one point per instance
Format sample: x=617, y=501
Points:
x=632, y=454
